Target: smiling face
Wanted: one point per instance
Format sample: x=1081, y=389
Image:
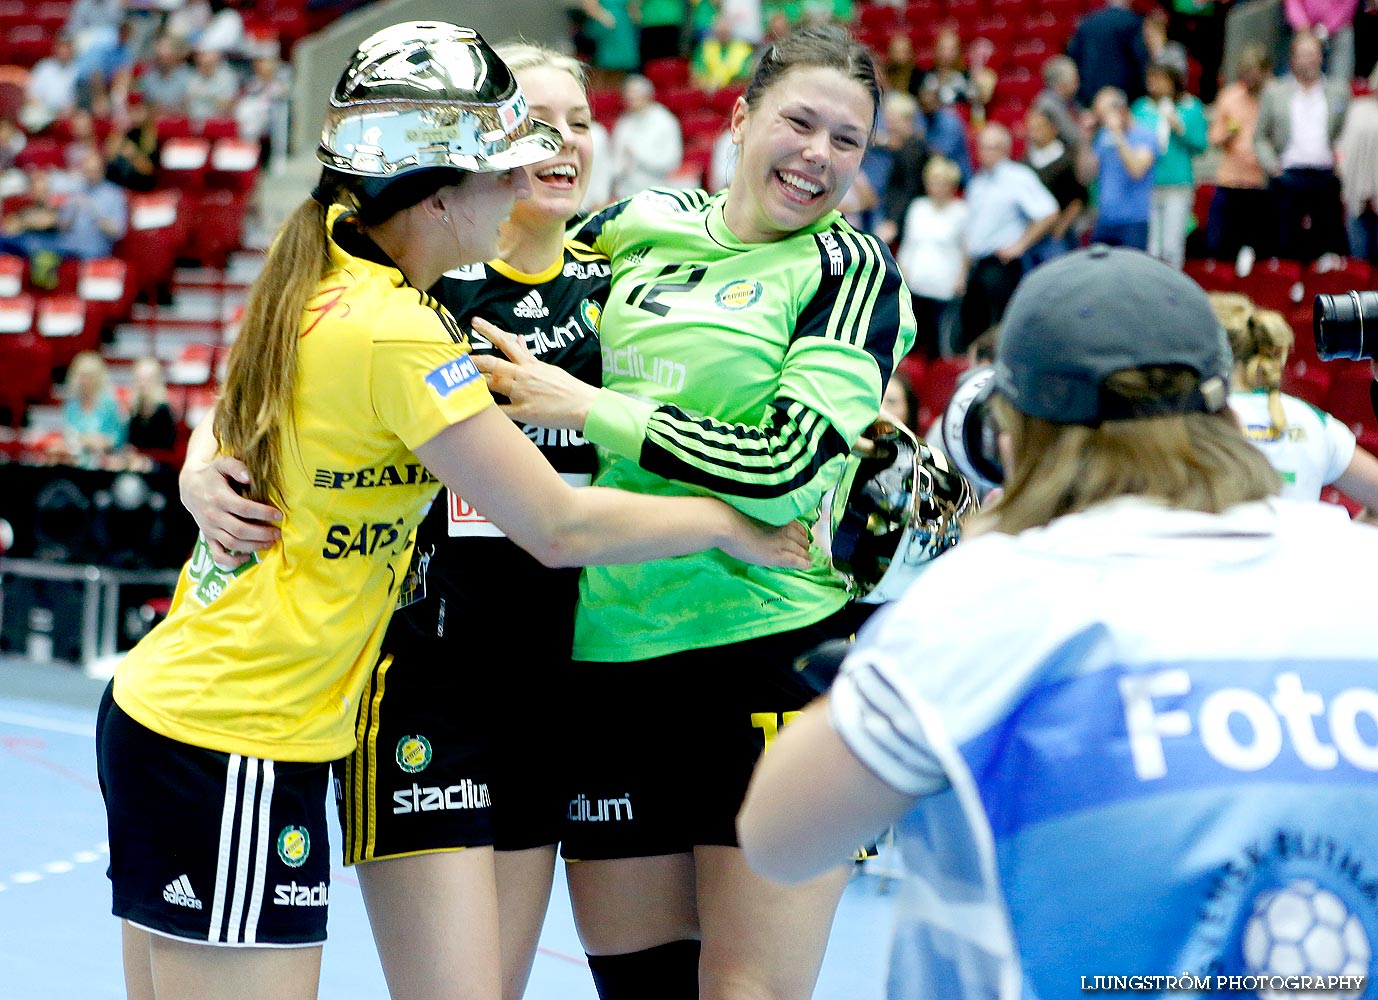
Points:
x=558, y=184
x=801, y=148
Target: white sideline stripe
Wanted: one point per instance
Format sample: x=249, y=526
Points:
x=51, y=725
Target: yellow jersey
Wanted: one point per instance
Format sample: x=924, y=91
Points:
x=270, y=660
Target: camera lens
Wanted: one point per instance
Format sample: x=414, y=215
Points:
x=1346, y=325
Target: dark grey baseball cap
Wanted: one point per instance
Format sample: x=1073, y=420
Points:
x=1077, y=319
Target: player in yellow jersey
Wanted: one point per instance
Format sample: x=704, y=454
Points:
x=349, y=393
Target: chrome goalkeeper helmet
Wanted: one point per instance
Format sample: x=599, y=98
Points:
x=904, y=508
x=427, y=94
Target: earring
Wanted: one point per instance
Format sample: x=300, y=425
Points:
x=444, y=218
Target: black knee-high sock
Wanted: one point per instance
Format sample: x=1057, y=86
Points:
x=665, y=972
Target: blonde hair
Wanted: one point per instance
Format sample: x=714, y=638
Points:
x=155, y=394
x=519, y=54
x=1260, y=351
x=942, y=167
x=89, y=363
x=1232, y=310
x=1193, y=461
x=256, y=404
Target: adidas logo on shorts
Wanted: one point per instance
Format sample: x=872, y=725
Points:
x=531, y=306
x=179, y=892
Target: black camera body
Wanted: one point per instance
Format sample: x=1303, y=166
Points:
x=1346, y=325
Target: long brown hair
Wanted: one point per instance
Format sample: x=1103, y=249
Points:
x=1193, y=461
x=255, y=409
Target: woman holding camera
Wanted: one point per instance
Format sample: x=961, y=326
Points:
x=1078, y=720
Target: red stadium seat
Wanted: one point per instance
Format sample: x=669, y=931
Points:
x=41, y=153
x=219, y=227
x=1354, y=275
x=879, y=17
x=939, y=381
x=16, y=314
x=1308, y=380
x=1273, y=284
x=233, y=165
x=62, y=321
x=1212, y=275
x=183, y=163
x=26, y=44
x=12, y=271
x=27, y=361
x=14, y=82
x=154, y=236
x=1348, y=397
x=666, y=72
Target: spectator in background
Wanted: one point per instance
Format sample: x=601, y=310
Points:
x=164, y=82
x=1241, y=207
x=1108, y=48
x=1056, y=167
x=1309, y=448
x=1331, y=23
x=152, y=427
x=208, y=24
x=908, y=154
x=1119, y=158
x=213, y=87
x=721, y=60
x=1299, y=118
x=949, y=69
x=599, y=193
x=932, y=257
x=899, y=68
x=1178, y=121
x=1199, y=26
x=943, y=130
x=900, y=403
x=93, y=25
x=91, y=421
x=1058, y=99
x=745, y=18
x=12, y=143
x=262, y=108
x=82, y=128
x=83, y=223
x=105, y=65
x=131, y=154
x=52, y=89
x=1009, y=210
x=659, y=26
x=647, y=145
x=614, y=36
x=1356, y=155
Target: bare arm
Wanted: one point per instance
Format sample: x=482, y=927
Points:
x=1034, y=232
x=488, y=461
x=811, y=801
x=1359, y=481
x=1137, y=160
x=232, y=524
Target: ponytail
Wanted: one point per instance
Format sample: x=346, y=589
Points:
x=256, y=405
x=1270, y=339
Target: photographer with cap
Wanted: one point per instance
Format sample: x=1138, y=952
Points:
x=350, y=397
x=1100, y=756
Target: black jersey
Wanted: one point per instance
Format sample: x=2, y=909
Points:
x=476, y=577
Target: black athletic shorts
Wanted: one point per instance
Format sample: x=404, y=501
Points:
x=660, y=752
x=453, y=752
x=212, y=847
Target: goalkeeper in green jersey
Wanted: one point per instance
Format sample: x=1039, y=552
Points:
x=746, y=343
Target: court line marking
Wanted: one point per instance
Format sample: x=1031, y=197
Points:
x=50, y=724
x=29, y=877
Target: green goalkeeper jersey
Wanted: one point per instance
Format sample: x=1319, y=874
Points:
x=739, y=370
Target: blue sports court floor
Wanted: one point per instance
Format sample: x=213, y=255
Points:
x=58, y=940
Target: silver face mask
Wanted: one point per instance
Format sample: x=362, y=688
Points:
x=904, y=508
x=427, y=94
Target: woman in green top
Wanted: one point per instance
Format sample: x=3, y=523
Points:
x=746, y=341
x=1179, y=121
